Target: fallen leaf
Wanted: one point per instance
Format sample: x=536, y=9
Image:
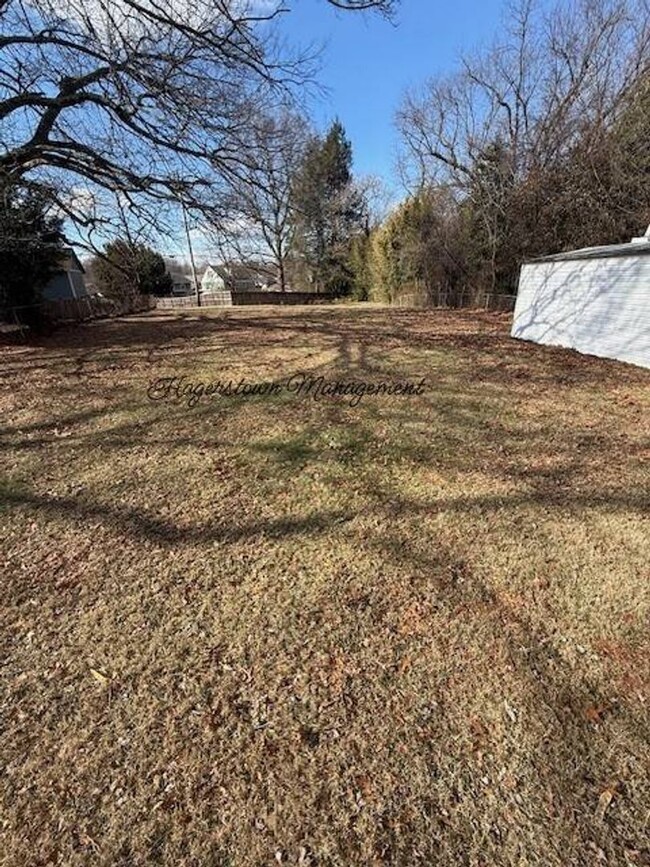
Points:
x=595, y=713
x=605, y=799
x=512, y=713
x=99, y=677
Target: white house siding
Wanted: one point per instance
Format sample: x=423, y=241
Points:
x=598, y=306
x=212, y=281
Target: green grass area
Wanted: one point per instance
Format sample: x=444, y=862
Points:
x=271, y=629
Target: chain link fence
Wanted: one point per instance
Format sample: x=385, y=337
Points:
x=419, y=297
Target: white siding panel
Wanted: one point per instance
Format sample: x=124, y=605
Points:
x=597, y=306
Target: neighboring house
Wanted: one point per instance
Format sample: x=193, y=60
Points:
x=249, y=278
x=236, y=277
x=595, y=300
x=212, y=280
x=182, y=284
x=68, y=282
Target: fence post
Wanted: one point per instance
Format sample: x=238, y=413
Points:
x=19, y=324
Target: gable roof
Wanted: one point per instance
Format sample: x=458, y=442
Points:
x=218, y=269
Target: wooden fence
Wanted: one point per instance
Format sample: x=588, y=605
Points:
x=280, y=298
x=94, y=307
x=242, y=298
x=70, y=310
x=208, y=299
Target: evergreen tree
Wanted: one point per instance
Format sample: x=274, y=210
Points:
x=329, y=211
x=127, y=270
x=418, y=250
x=31, y=244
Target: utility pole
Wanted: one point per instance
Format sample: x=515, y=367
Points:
x=197, y=288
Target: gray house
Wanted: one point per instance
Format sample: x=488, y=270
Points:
x=69, y=281
x=182, y=284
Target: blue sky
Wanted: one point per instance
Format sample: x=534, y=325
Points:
x=367, y=63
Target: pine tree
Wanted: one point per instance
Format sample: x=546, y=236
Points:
x=31, y=244
x=127, y=270
x=329, y=211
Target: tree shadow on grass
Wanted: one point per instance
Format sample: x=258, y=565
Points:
x=572, y=761
x=479, y=341
x=143, y=525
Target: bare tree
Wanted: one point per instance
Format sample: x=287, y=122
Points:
x=262, y=224
x=525, y=118
x=144, y=97
x=546, y=80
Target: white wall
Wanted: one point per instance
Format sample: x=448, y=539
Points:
x=597, y=306
x=211, y=281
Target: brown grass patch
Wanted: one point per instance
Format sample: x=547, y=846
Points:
x=274, y=630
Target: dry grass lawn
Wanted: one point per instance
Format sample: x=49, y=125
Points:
x=272, y=630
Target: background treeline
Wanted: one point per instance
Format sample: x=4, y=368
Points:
x=539, y=143
x=296, y=216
